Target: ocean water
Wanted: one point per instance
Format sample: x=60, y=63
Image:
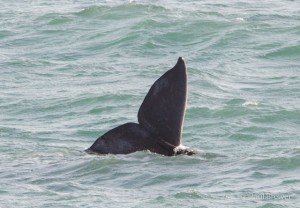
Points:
x=71, y=69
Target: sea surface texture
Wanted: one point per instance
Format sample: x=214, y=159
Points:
x=70, y=70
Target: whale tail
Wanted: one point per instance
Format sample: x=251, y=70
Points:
x=160, y=118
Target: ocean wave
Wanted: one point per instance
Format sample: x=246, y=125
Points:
x=289, y=52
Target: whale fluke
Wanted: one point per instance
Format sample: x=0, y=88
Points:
x=160, y=120
x=162, y=111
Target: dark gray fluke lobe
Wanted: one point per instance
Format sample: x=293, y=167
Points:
x=162, y=111
x=160, y=119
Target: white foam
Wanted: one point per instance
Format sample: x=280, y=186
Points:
x=250, y=103
x=180, y=148
x=240, y=19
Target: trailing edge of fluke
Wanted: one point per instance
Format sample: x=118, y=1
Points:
x=160, y=120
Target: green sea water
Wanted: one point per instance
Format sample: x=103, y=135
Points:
x=70, y=70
